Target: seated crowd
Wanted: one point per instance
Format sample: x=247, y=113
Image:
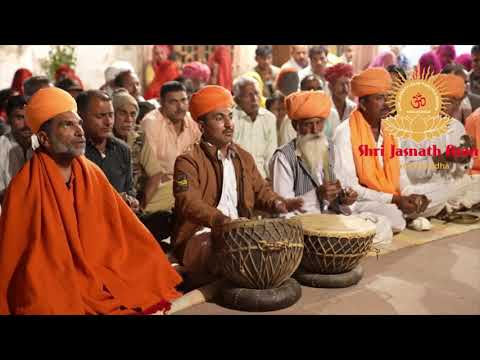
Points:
x=118, y=184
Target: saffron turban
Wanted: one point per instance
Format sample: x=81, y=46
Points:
x=304, y=105
x=209, y=98
x=337, y=71
x=374, y=80
x=196, y=70
x=451, y=85
x=47, y=103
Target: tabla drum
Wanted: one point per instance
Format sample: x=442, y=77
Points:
x=334, y=244
x=258, y=258
x=259, y=254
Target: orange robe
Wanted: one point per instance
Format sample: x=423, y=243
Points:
x=370, y=172
x=472, y=127
x=79, y=250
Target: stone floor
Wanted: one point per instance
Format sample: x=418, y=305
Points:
x=440, y=277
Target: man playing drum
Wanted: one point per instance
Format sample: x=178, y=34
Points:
x=216, y=182
x=304, y=167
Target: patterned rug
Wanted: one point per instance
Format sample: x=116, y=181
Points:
x=440, y=230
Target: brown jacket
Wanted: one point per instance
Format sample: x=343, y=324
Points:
x=197, y=187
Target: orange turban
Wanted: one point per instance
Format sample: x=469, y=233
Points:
x=47, y=103
x=374, y=80
x=209, y=98
x=308, y=104
x=451, y=85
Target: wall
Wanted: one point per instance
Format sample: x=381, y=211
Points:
x=91, y=64
x=243, y=59
x=92, y=60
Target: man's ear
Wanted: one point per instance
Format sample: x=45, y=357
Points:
x=43, y=139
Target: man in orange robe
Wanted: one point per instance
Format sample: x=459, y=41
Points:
x=80, y=250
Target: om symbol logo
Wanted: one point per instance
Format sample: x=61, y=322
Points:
x=418, y=101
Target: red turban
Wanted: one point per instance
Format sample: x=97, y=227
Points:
x=65, y=71
x=307, y=105
x=209, y=98
x=337, y=71
x=19, y=78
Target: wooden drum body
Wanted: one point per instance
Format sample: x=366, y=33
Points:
x=334, y=244
x=259, y=254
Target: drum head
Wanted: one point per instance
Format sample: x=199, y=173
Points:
x=332, y=225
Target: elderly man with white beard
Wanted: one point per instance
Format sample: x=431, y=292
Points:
x=304, y=166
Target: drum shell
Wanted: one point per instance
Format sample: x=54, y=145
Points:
x=334, y=254
x=259, y=254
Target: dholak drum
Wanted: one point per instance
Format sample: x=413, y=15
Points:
x=334, y=246
x=258, y=257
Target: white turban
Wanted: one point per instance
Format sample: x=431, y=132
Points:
x=116, y=68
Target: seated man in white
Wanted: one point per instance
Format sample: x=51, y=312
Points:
x=381, y=181
x=443, y=168
x=304, y=166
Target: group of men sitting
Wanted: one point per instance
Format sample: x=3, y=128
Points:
x=82, y=248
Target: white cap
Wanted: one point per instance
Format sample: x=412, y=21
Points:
x=116, y=68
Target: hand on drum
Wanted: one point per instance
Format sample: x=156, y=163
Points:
x=289, y=205
x=348, y=196
x=329, y=191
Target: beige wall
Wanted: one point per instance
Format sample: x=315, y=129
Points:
x=91, y=63
x=93, y=59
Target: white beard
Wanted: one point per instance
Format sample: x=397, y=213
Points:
x=312, y=149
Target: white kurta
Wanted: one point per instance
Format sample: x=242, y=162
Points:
x=284, y=183
x=453, y=185
x=349, y=107
x=258, y=137
x=292, y=63
x=376, y=201
x=229, y=199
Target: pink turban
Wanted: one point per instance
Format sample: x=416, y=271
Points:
x=196, y=71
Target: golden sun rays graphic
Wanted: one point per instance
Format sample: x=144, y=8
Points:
x=418, y=104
